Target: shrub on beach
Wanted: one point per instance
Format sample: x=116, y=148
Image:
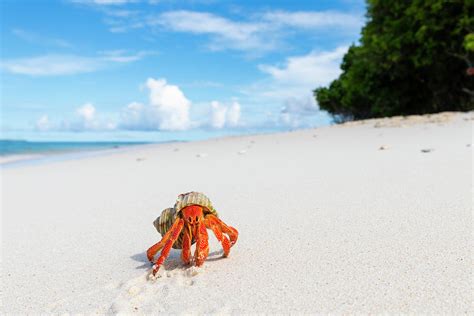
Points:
x=414, y=57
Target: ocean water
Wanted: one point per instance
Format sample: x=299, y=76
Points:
x=21, y=147
x=17, y=153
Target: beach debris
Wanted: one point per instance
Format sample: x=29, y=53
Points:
x=176, y=149
x=427, y=150
x=383, y=147
x=185, y=224
x=202, y=155
x=140, y=159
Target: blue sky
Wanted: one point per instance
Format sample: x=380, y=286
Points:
x=164, y=69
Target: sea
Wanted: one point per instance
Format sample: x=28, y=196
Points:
x=19, y=152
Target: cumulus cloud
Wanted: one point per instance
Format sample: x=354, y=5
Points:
x=170, y=103
x=296, y=110
x=137, y=116
x=233, y=114
x=87, y=116
x=85, y=119
x=168, y=109
x=224, y=115
x=43, y=123
x=58, y=65
x=218, y=117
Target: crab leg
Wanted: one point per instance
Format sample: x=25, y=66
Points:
x=151, y=252
x=186, y=253
x=202, y=244
x=211, y=224
x=169, y=244
x=229, y=230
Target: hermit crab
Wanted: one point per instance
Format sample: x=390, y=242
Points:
x=185, y=224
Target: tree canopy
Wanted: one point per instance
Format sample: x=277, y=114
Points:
x=414, y=57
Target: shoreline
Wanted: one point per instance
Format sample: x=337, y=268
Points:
x=18, y=160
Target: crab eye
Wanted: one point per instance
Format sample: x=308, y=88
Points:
x=197, y=218
x=190, y=219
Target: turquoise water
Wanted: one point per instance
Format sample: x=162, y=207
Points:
x=21, y=147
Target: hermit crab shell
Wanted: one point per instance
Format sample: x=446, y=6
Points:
x=168, y=216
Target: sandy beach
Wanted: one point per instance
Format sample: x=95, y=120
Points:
x=364, y=217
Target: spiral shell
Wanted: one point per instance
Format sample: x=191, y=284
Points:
x=168, y=216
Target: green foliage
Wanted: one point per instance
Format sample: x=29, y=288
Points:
x=469, y=42
x=412, y=58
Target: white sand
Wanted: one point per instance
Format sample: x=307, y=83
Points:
x=328, y=222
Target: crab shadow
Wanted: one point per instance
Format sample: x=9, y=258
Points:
x=173, y=261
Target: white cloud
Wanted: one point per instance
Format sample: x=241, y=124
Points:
x=291, y=84
x=170, y=103
x=58, y=65
x=86, y=119
x=256, y=34
x=51, y=65
x=121, y=56
x=102, y=2
x=224, y=33
x=233, y=114
x=296, y=110
x=107, y=2
x=218, y=117
x=137, y=116
x=168, y=109
x=224, y=115
x=314, y=19
x=297, y=76
x=308, y=71
x=43, y=123
x=86, y=113
x=36, y=38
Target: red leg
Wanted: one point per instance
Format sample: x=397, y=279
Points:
x=202, y=245
x=186, y=253
x=151, y=252
x=169, y=244
x=210, y=223
x=229, y=230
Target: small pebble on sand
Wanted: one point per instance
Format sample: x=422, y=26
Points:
x=427, y=150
